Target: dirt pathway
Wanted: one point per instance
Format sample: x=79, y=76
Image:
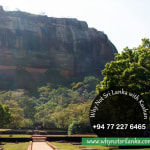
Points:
x=40, y=146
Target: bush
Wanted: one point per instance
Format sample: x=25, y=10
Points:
x=81, y=127
x=28, y=123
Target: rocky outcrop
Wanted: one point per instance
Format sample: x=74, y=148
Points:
x=50, y=49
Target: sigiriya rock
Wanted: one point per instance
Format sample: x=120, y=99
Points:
x=38, y=49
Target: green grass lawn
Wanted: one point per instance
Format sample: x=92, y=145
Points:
x=5, y=129
x=69, y=146
x=15, y=136
x=21, y=130
x=15, y=146
x=29, y=136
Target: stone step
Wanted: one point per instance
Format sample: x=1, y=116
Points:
x=39, y=138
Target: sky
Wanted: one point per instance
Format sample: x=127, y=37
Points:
x=125, y=22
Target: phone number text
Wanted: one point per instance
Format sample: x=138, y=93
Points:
x=120, y=126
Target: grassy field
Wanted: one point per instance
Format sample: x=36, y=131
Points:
x=15, y=136
x=15, y=146
x=29, y=136
x=5, y=129
x=69, y=146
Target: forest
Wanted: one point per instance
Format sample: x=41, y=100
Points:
x=49, y=107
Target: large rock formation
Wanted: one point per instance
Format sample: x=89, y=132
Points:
x=45, y=49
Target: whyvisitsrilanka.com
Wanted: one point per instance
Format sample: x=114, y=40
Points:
x=116, y=141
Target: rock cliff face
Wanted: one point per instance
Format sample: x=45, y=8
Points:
x=45, y=49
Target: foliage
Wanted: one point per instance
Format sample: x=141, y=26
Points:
x=5, y=116
x=91, y=81
x=52, y=106
x=28, y=105
x=131, y=68
x=76, y=85
x=28, y=123
x=64, y=117
x=17, y=114
x=79, y=127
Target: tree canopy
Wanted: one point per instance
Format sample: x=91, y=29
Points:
x=51, y=106
x=5, y=115
x=131, y=68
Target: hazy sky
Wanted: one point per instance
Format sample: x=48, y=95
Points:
x=125, y=22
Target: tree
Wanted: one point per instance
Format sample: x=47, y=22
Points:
x=131, y=68
x=28, y=105
x=5, y=115
x=17, y=114
x=91, y=81
x=79, y=127
x=43, y=116
x=28, y=123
